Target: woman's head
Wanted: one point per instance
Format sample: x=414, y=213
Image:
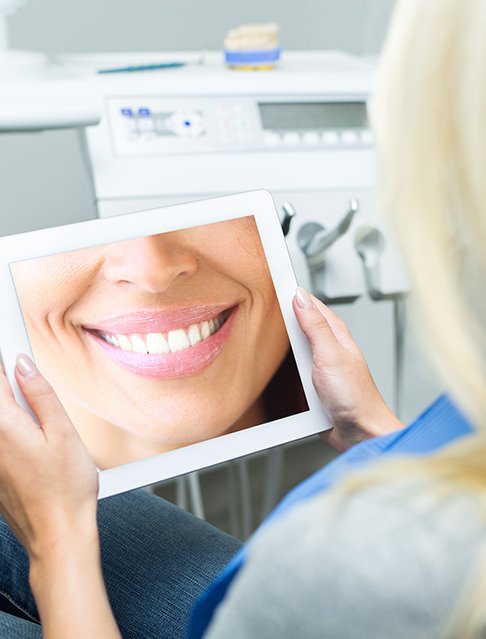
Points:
x=172, y=337
x=429, y=115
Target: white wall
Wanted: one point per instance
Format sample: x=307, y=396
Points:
x=126, y=25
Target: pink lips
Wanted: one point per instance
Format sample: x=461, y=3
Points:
x=157, y=321
x=189, y=361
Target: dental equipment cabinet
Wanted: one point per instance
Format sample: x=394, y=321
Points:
x=300, y=131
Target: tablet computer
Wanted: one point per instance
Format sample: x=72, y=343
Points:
x=168, y=335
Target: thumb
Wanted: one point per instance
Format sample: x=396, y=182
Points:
x=315, y=326
x=39, y=394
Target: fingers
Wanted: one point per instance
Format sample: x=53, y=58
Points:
x=315, y=325
x=39, y=395
x=13, y=419
x=5, y=388
x=338, y=326
x=8, y=405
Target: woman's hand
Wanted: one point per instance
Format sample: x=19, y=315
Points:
x=48, y=481
x=341, y=377
x=48, y=496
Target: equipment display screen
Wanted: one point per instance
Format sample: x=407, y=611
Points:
x=313, y=115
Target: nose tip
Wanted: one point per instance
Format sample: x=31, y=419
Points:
x=150, y=263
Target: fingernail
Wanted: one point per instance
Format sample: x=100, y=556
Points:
x=303, y=298
x=26, y=366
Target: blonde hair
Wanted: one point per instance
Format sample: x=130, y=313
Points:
x=429, y=117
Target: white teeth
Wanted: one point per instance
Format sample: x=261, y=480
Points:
x=205, y=332
x=156, y=343
x=138, y=344
x=194, y=334
x=124, y=342
x=111, y=339
x=178, y=340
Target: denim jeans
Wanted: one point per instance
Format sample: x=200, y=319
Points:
x=156, y=560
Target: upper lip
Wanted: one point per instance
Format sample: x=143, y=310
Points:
x=157, y=320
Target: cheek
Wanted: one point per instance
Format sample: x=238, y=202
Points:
x=251, y=271
x=271, y=342
x=49, y=286
x=37, y=296
x=234, y=249
x=45, y=297
x=277, y=340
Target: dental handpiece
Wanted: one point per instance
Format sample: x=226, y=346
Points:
x=314, y=239
x=370, y=244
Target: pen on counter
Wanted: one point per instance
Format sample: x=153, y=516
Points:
x=135, y=68
x=144, y=67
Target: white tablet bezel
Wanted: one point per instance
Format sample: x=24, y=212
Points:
x=260, y=204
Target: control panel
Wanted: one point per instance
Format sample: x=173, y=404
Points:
x=144, y=125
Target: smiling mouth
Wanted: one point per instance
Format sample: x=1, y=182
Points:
x=173, y=341
x=165, y=344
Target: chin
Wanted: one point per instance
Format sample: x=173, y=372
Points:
x=176, y=434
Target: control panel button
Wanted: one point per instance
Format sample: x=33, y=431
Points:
x=186, y=124
x=129, y=124
x=145, y=124
x=161, y=125
x=366, y=137
x=244, y=136
x=330, y=138
x=227, y=136
x=242, y=123
x=350, y=138
x=291, y=138
x=311, y=138
x=240, y=109
x=272, y=139
x=226, y=124
x=223, y=111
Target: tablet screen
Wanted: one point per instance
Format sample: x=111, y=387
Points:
x=161, y=341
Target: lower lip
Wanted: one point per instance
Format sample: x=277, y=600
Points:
x=189, y=361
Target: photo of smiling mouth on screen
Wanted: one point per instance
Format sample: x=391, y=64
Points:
x=161, y=341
